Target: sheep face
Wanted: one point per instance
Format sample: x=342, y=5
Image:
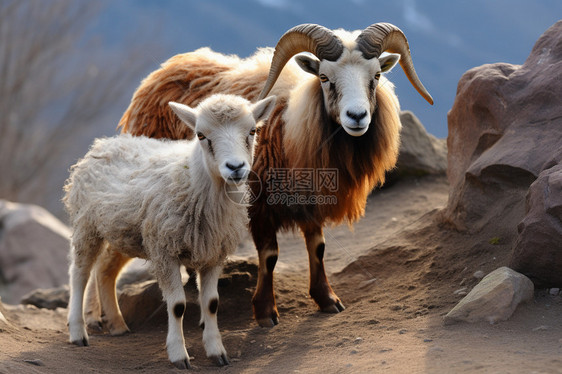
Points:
x=349, y=85
x=225, y=126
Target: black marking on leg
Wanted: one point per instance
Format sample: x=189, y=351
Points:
x=270, y=263
x=213, y=306
x=320, y=251
x=179, y=309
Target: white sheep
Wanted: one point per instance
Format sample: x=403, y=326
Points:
x=167, y=202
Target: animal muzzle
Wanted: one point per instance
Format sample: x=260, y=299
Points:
x=235, y=171
x=355, y=120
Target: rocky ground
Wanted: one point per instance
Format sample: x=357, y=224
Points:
x=399, y=272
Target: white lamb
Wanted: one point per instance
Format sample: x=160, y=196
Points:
x=167, y=202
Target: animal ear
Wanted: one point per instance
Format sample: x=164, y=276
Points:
x=389, y=61
x=308, y=63
x=187, y=114
x=263, y=108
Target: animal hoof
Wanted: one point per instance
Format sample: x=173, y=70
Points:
x=221, y=360
x=81, y=342
x=334, y=308
x=119, y=331
x=95, y=326
x=268, y=322
x=182, y=364
x=340, y=306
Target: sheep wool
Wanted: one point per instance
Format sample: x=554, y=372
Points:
x=167, y=202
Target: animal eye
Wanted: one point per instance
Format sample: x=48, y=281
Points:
x=253, y=131
x=201, y=136
x=378, y=76
x=323, y=78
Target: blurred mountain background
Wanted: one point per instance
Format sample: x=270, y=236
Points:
x=68, y=68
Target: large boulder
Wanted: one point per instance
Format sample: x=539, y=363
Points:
x=420, y=152
x=504, y=129
x=538, y=249
x=33, y=250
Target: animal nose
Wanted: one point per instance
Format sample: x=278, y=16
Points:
x=356, y=116
x=235, y=167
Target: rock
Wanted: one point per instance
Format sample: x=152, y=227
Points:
x=136, y=271
x=541, y=328
x=494, y=298
x=460, y=291
x=554, y=291
x=478, y=274
x=33, y=250
x=504, y=128
x=3, y=321
x=36, y=362
x=420, y=152
x=538, y=250
x=51, y=298
x=141, y=302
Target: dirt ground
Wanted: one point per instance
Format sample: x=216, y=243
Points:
x=396, y=272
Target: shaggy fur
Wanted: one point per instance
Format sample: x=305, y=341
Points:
x=167, y=202
x=299, y=134
x=300, y=129
x=137, y=194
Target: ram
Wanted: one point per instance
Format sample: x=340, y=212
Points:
x=332, y=136
x=167, y=202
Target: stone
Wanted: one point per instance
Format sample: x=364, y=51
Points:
x=478, y=274
x=504, y=129
x=538, y=250
x=494, y=299
x=51, y=298
x=34, y=249
x=3, y=321
x=36, y=362
x=420, y=152
x=141, y=302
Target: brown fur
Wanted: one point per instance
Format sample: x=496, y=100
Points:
x=361, y=162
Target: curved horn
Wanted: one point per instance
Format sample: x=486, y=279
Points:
x=308, y=37
x=385, y=37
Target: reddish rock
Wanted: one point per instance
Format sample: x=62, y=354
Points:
x=504, y=128
x=538, y=250
x=505, y=131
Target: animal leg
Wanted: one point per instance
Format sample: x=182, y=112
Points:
x=167, y=272
x=207, y=281
x=107, y=269
x=92, y=307
x=265, y=309
x=83, y=256
x=320, y=289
